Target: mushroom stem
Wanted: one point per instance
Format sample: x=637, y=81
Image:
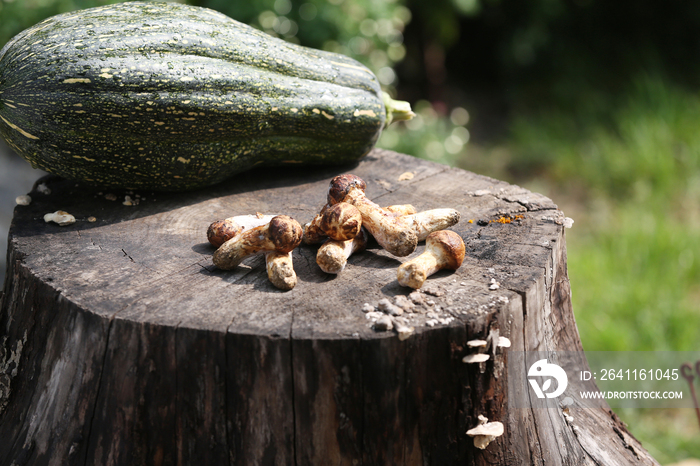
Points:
x=401, y=209
x=282, y=234
x=428, y=221
x=280, y=269
x=444, y=249
x=333, y=255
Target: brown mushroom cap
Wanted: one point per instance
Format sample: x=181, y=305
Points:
x=451, y=245
x=341, y=185
x=221, y=231
x=285, y=233
x=341, y=221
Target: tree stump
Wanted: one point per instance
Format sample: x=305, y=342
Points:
x=121, y=343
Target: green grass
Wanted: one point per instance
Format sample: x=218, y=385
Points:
x=635, y=277
x=627, y=169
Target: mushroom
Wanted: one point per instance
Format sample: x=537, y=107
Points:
x=333, y=255
x=503, y=342
x=281, y=234
x=312, y=231
x=485, y=432
x=23, y=200
x=60, y=217
x=444, y=250
x=280, y=269
x=340, y=222
x=389, y=230
x=477, y=357
x=221, y=231
x=426, y=222
x=476, y=343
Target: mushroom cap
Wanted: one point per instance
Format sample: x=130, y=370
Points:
x=221, y=231
x=341, y=221
x=476, y=343
x=492, y=429
x=503, y=342
x=341, y=185
x=312, y=230
x=61, y=217
x=477, y=357
x=449, y=245
x=285, y=233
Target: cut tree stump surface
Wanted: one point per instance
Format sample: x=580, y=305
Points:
x=121, y=343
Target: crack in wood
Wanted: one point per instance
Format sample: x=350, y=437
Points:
x=127, y=255
x=293, y=394
x=99, y=387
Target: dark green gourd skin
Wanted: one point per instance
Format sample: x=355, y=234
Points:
x=173, y=97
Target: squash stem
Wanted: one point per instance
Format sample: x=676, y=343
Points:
x=396, y=110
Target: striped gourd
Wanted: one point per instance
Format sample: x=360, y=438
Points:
x=168, y=96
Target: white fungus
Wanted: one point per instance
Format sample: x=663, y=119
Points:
x=478, y=357
x=384, y=323
x=503, y=342
x=43, y=189
x=23, y=200
x=485, y=432
x=60, y=217
x=476, y=343
x=403, y=330
x=385, y=305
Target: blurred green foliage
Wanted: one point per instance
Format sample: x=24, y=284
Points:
x=429, y=135
x=558, y=48
x=18, y=15
x=370, y=31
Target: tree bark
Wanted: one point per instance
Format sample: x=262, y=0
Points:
x=121, y=343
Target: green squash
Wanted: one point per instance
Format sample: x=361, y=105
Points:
x=172, y=97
